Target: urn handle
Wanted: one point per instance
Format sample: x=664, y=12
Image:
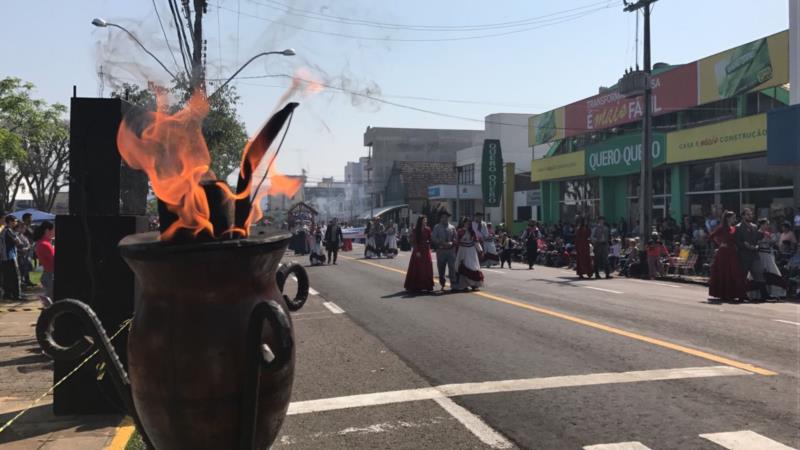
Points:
x=302, y=284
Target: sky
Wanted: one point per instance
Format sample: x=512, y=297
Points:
x=411, y=53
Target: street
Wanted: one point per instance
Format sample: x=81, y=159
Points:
x=539, y=359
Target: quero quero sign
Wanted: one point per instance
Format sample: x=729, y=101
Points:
x=623, y=155
x=492, y=173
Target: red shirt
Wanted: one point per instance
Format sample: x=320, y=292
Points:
x=657, y=250
x=46, y=254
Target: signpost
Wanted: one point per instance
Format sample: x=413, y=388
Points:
x=492, y=173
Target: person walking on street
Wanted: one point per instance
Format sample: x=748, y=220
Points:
x=747, y=237
x=24, y=258
x=727, y=280
x=333, y=239
x=420, y=267
x=506, y=249
x=600, y=238
x=583, y=265
x=391, y=240
x=531, y=239
x=468, y=258
x=11, y=281
x=443, y=241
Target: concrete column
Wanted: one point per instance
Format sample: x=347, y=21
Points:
x=794, y=75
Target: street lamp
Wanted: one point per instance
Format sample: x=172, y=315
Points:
x=101, y=23
x=287, y=52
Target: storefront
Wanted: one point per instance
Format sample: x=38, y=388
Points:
x=709, y=143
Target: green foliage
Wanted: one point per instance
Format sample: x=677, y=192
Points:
x=33, y=144
x=223, y=131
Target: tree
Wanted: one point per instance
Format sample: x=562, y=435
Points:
x=223, y=131
x=46, y=164
x=29, y=129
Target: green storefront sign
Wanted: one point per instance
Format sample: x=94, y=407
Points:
x=622, y=155
x=492, y=173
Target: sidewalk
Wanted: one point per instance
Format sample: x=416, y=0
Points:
x=26, y=375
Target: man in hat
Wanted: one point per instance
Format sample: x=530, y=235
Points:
x=333, y=240
x=600, y=238
x=443, y=239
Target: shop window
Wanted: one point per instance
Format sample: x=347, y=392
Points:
x=524, y=212
x=729, y=175
x=580, y=197
x=701, y=177
x=700, y=205
x=731, y=201
x=770, y=204
x=757, y=174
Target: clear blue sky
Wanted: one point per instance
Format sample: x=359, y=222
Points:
x=52, y=44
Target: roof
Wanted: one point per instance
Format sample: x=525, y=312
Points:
x=303, y=205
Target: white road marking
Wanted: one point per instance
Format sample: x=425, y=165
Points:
x=744, y=440
x=474, y=424
x=618, y=446
x=654, y=282
x=489, y=387
x=786, y=321
x=604, y=290
x=333, y=307
x=493, y=270
x=312, y=291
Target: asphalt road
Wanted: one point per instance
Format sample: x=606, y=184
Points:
x=542, y=360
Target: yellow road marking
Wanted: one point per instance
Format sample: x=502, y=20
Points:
x=122, y=435
x=607, y=328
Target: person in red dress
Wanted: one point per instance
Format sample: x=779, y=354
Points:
x=583, y=265
x=420, y=268
x=727, y=280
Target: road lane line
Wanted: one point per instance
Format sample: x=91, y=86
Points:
x=613, y=330
x=333, y=307
x=786, y=321
x=653, y=282
x=503, y=386
x=603, y=290
x=312, y=291
x=493, y=270
x=633, y=445
x=474, y=424
x=744, y=440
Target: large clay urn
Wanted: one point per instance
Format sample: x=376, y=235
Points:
x=189, y=353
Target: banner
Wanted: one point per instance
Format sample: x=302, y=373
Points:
x=492, y=173
x=622, y=155
x=672, y=90
x=546, y=127
x=754, y=66
x=559, y=166
x=732, y=137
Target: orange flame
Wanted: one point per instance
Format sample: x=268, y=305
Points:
x=172, y=151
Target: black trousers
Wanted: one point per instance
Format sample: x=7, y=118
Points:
x=11, y=281
x=333, y=249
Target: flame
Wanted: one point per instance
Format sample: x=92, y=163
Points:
x=171, y=150
x=173, y=153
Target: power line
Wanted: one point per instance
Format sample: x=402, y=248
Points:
x=459, y=38
x=178, y=29
x=288, y=9
x=161, y=24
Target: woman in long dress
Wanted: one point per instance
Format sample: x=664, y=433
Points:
x=583, y=264
x=369, y=247
x=776, y=286
x=468, y=264
x=727, y=280
x=391, y=240
x=317, y=253
x=491, y=256
x=419, y=276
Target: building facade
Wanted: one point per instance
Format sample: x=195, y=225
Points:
x=389, y=145
x=708, y=150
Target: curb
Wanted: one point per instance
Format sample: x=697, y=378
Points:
x=122, y=434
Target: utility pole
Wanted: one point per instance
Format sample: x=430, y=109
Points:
x=646, y=178
x=197, y=79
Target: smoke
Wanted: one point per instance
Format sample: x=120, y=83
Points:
x=119, y=59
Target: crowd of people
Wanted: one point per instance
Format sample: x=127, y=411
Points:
x=22, y=247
